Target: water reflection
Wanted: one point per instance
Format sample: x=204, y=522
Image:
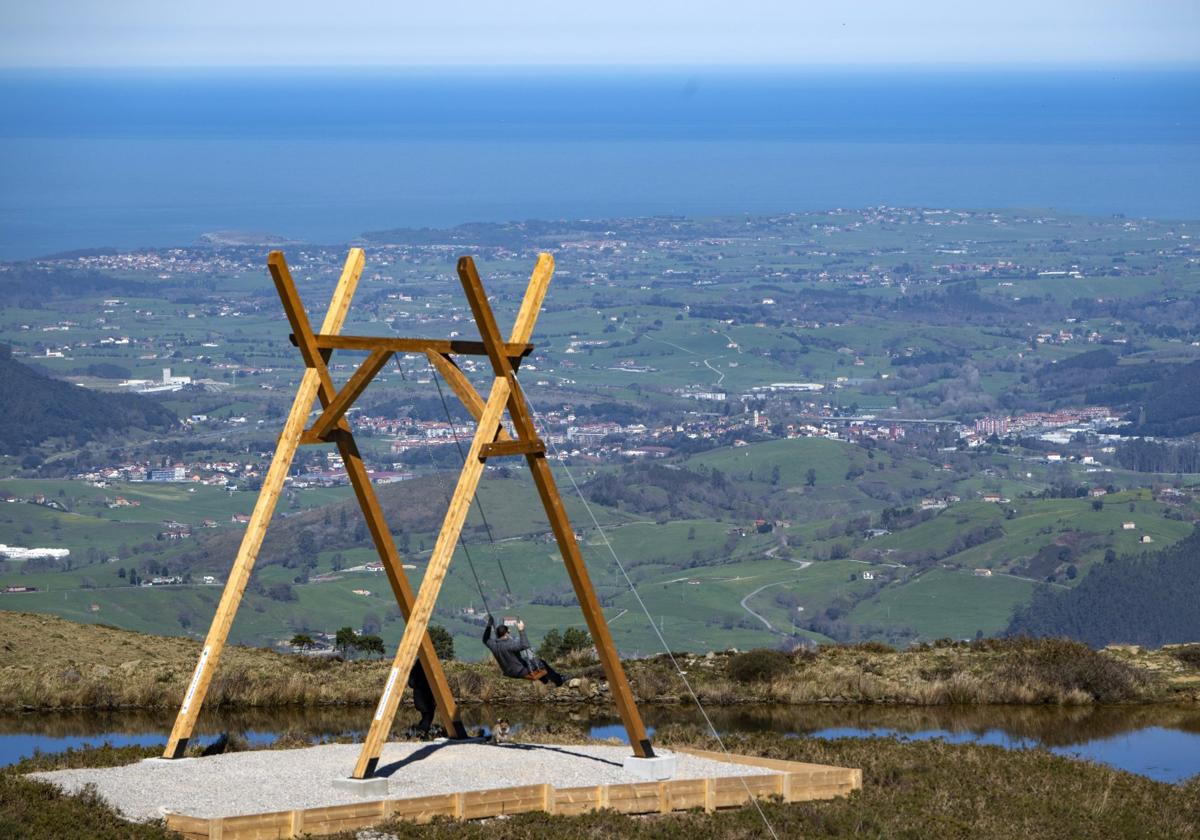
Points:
x=1162, y=742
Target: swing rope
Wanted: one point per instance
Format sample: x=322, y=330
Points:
x=446, y=495
x=463, y=457
x=637, y=596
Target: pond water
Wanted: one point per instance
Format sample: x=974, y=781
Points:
x=1161, y=742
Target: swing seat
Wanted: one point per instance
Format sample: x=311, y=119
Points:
x=536, y=675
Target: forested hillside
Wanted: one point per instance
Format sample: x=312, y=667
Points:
x=37, y=408
x=1150, y=600
x=1172, y=405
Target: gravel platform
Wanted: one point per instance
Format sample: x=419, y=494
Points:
x=259, y=781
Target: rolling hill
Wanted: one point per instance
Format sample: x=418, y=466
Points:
x=37, y=408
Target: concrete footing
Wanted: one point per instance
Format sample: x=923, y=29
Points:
x=362, y=787
x=655, y=769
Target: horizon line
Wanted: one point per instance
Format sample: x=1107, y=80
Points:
x=701, y=67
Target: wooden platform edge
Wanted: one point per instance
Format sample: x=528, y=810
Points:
x=792, y=781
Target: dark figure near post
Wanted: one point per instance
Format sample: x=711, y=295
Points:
x=515, y=657
x=422, y=699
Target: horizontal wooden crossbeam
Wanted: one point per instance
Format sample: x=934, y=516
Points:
x=452, y=346
x=511, y=447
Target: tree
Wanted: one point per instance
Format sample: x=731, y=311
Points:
x=369, y=644
x=306, y=544
x=551, y=645
x=575, y=639
x=281, y=592
x=810, y=478
x=557, y=644
x=443, y=642
x=303, y=641
x=1097, y=504
x=345, y=640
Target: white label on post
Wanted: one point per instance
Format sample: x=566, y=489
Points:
x=191, y=692
x=387, y=692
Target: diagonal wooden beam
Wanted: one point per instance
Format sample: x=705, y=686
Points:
x=489, y=427
x=356, y=471
x=535, y=295
x=589, y=605
x=345, y=398
x=564, y=533
x=431, y=584
x=462, y=387
x=486, y=321
x=264, y=507
x=522, y=331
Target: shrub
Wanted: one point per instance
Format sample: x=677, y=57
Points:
x=558, y=644
x=369, y=643
x=1068, y=666
x=1187, y=654
x=760, y=665
x=443, y=642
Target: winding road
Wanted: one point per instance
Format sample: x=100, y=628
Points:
x=801, y=565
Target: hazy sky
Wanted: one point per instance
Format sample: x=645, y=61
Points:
x=615, y=32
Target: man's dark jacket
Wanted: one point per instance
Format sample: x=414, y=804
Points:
x=508, y=652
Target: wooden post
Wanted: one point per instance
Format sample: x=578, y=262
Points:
x=564, y=534
x=487, y=430
x=239, y=574
x=431, y=584
x=356, y=471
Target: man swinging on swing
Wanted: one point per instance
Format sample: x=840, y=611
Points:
x=515, y=657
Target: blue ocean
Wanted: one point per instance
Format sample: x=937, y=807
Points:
x=150, y=158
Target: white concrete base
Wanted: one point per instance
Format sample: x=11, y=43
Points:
x=656, y=769
x=376, y=787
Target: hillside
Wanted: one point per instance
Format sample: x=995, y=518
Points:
x=1171, y=407
x=727, y=547
x=50, y=663
x=37, y=408
x=1150, y=600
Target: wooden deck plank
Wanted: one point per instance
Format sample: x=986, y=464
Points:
x=685, y=794
x=635, y=798
x=794, y=781
x=422, y=809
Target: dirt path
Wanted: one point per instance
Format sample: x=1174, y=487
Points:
x=801, y=566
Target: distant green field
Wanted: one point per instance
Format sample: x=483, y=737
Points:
x=943, y=603
x=695, y=600
x=89, y=523
x=665, y=311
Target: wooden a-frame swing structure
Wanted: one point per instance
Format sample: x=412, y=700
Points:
x=490, y=440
